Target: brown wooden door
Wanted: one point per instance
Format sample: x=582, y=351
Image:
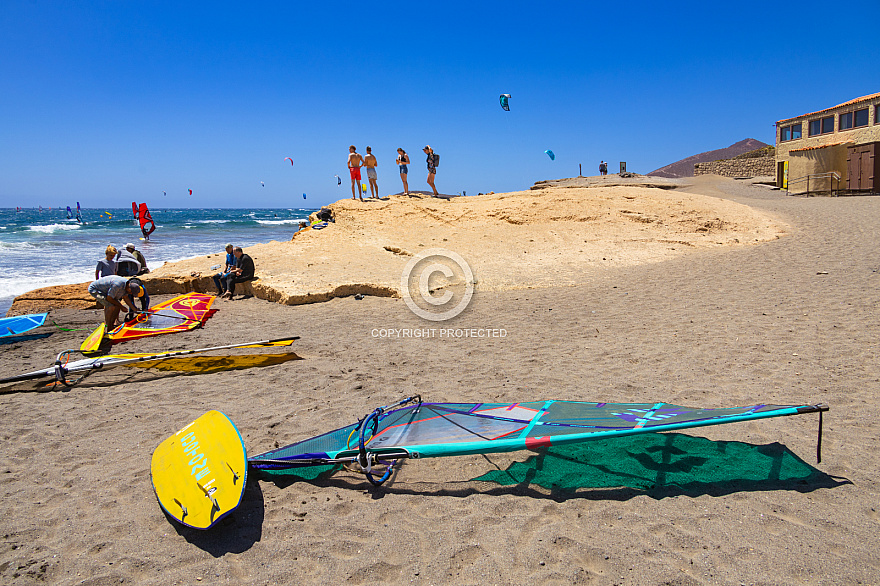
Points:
x=860, y=167
x=868, y=179
x=853, y=168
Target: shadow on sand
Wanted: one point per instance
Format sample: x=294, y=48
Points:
x=235, y=533
x=657, y=465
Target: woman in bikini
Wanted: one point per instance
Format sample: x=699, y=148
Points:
x=402, y=162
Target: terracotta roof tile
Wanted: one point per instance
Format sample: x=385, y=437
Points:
x=849, y=103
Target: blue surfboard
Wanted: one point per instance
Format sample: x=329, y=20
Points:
x=12, y=326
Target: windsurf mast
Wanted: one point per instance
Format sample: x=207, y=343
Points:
x=63, y=367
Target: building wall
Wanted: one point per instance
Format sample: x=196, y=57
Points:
x=814, y=159
x=756, y=167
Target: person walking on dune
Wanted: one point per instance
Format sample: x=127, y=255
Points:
x=371, y=163
x=355, y=162
x=432, y=167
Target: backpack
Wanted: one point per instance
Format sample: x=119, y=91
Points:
x=436, y=160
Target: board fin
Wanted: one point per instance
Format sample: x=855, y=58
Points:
x=190, y=471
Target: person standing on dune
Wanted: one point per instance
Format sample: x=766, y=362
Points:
x=432, y=167
x=371, y=163
x=355, y=162
x=402, y=162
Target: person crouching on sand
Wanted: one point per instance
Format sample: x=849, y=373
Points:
x=110, y=291
x=355, y=162
x=402, y=162
x=432, y=168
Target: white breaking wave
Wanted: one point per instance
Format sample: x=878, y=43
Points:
x=12, y=286
x=214, y=221
x=25, y=246
x=278, y=222
x=53, y=227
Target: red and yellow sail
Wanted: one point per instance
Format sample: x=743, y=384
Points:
x=182, y=313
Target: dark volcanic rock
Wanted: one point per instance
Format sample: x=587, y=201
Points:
x=685, y=167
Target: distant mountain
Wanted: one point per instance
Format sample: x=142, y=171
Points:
x=685, y=167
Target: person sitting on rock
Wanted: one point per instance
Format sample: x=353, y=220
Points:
x=243, y=272
x=127, y=265
x=220, y=278
x=138, y=257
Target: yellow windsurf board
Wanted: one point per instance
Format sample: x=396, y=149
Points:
x=199, y=473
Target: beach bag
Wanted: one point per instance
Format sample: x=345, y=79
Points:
x=436, y=160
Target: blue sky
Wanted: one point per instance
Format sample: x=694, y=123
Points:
x=111, y=102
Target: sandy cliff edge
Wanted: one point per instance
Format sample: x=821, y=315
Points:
x=555, y=234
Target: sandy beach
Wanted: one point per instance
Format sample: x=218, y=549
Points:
x=622, y=300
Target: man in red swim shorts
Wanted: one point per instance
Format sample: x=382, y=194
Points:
x=355, y=162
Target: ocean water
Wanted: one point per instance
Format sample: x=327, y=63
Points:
x=43, y=248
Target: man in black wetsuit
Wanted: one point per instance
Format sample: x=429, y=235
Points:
x=244, y=271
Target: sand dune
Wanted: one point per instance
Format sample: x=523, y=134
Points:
x=549, y=236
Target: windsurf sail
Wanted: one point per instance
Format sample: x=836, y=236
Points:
x=12, y=326
x=79, y=217
x=134, y=209
x=69, y=213
x=146, y=220
x=179, y=314
x=63, y=367
x=413, y=429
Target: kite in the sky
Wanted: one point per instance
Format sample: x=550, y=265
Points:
x=263, y=184
x=190, y=191
x=504, y=99
x=289, y=159
x=338, y=180
x=164, y=193
x=304, y=196
x=550, y=154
